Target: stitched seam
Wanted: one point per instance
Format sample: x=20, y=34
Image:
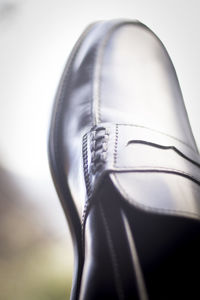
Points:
x=98, y=67
x=94, y=122
x=156, y=169
x=113, y=256
x=54, y=126
x=116, y=144
x=87, y=180
x=97, y=73
x=154, y=209
x=67, y=71
x=97, y=82
x=161, y=132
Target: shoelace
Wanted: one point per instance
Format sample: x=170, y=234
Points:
x=99, y=145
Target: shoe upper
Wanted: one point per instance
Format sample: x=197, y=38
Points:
x=122, y=113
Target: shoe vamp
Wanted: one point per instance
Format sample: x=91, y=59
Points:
x=138, y=84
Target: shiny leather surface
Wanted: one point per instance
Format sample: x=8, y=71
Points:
x=122, y=74
x=111, y=270
x=131, y=149
x=120, y=127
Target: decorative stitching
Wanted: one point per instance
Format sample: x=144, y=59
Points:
x=131, y=200
x=97, y=82
x=116, y=144
x=97, y=74
x=67, y=70
x=98, y=67
x=57, y=108
x=93, y=116
x=96, y=93
x=87, y=179
x=113, y=256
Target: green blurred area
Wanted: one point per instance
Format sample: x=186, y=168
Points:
x=39, y=273
x=35, y=261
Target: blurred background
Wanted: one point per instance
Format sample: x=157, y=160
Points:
x=36, y=36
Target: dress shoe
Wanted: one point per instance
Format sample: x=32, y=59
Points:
x=126, y=167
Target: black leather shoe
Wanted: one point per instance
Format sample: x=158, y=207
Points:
x=126, y=167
